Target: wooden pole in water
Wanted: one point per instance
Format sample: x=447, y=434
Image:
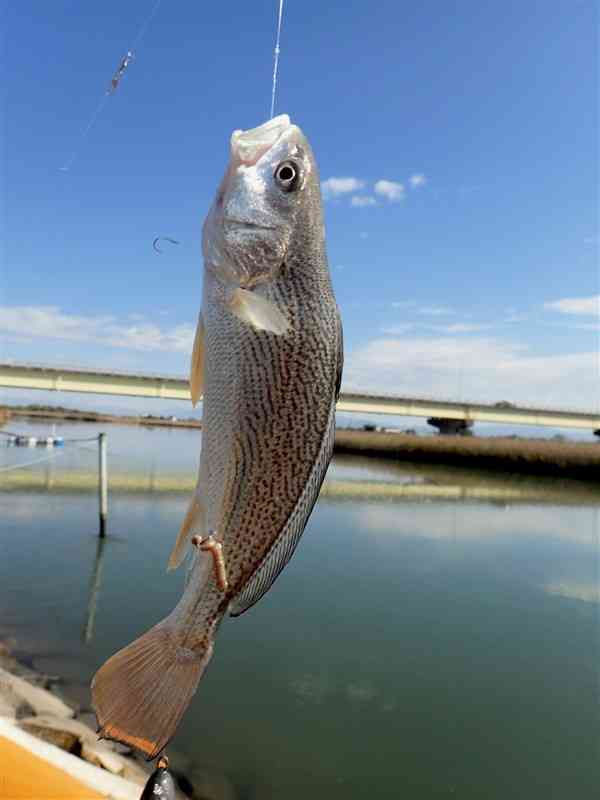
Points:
x=102, y=483
x=88, y=631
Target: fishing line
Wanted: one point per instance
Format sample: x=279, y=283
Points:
x=29, y=463
x=105, y=97
x=276, y=58
x=142, y=31
x=80, y=439
x=80, y=447
x=84, y=133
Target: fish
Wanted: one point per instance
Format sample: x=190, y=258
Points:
x=267, y=360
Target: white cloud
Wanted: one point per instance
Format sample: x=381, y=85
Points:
x=418, y=179
x=576, y=305
x=390, y=190
x=436, y=311
x=398, y=330
x=360, y=200
x=484, y=369
x=588, y=592
x=334, y=187
x=587, y=326
x=434, y=521
x=459, y=327
x=50, y=322
x=515, y=318
x=463, y=327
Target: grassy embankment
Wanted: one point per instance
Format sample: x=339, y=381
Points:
x=540, y=456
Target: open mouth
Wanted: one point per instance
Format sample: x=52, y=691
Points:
x=247, y=147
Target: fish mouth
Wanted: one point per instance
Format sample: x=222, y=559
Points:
x=247, y=147
x=246, y=223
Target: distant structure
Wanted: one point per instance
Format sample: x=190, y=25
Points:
x=443, y=414
x=453, y=427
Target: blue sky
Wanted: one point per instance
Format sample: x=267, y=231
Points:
x=457, y=145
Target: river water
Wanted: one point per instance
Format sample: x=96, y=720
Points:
x=435, y=635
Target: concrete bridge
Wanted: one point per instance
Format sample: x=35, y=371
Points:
x=447, y=415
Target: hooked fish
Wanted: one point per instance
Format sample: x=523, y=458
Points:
x=267, y=359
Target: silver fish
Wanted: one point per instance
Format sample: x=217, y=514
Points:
x=267, y=360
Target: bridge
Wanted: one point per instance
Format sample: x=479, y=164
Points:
x=441, y=412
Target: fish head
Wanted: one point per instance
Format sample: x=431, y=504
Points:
x=247, y=233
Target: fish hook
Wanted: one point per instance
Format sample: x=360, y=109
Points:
x=158, y=239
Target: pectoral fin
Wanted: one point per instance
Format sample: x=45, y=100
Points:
x=194, y=521
x=255, y=310
x=197, y=365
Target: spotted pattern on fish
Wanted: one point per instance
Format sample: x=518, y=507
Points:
x=284, y=414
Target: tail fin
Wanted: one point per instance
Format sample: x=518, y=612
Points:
x=141, y=693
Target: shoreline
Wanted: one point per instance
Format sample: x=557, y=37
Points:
x=53, y=737
x=38, y=707
x=512, y=454
x=74, y=415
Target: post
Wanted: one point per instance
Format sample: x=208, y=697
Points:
x=102, y=483
x=90, y=617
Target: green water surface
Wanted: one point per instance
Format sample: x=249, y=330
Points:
x=414, y=647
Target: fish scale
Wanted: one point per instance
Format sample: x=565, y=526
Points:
x=268, y=359
x=280, y=445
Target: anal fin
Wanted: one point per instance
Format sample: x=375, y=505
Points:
x=193, y=521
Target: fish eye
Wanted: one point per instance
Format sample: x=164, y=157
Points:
x=286, y=176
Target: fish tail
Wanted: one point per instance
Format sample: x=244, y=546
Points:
x=141, y=693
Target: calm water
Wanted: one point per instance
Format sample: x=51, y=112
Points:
x=429, y=645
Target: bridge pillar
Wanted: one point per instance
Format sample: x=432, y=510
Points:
x=452, y=427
